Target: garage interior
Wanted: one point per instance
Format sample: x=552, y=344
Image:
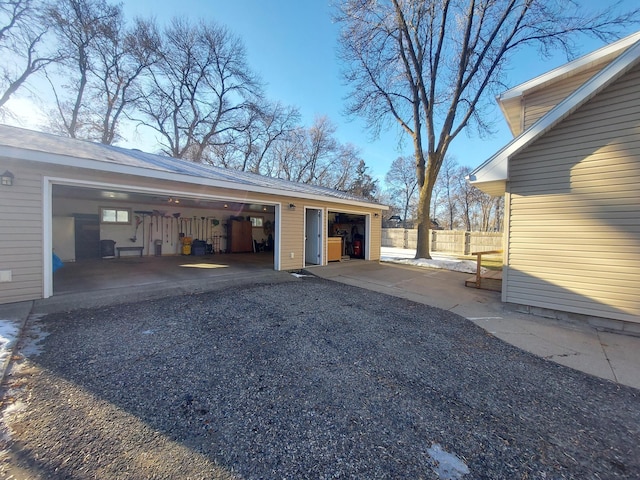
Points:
x=347, y=233
x=113, y=238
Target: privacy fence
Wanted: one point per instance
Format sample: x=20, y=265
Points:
x=446, y=241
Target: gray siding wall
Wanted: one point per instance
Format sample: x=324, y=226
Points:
x=538, y=103
x=574, y=223
x=21, y=234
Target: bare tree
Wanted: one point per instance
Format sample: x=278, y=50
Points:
x=497, y=221
x=22, y=35
x=198, y=95
x=321, y=145
x=430, y=65
x=121, y=55
x=403, y=186
x=287, y=154
x=313, y=155
x=486, y=204
x=343, y=169
x=467, y=198
x=266, y=125
x=78, y=25
x=447, y=181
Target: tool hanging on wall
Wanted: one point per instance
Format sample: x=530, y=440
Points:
x=150, y=235
x=177, y=217
x=135, y=232
x=144, y=214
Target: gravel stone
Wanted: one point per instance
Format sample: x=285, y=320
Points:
x=303, y=379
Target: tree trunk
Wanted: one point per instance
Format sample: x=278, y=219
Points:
x=424, y=220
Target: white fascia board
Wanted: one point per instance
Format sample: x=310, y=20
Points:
x=76, y=162
x=570, y=68
x=496, y=167
x=504, y=107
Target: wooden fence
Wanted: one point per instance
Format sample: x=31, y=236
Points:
x=458, y=242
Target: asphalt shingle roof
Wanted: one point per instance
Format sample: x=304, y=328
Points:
x=29, y=140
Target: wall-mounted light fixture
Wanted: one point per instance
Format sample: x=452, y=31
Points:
x=292, y=206
x=6, y=179
x=376, y=215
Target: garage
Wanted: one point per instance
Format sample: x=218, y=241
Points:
x=79, y=203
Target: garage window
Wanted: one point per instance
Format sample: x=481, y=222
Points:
x=115, y=215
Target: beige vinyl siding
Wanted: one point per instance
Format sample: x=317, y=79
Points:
x=574, y=224
x=21, y=215
x=539, y=102
x=21, y=234
x=292, y=237
x=376, y=237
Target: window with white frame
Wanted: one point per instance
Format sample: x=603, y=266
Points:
x=114, y=215
x=257, y=221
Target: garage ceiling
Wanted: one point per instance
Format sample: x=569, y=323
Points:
x=79, y=193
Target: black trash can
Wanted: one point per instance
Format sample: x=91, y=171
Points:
x=198, y=247
x=107, y=248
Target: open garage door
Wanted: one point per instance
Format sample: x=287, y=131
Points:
x=111, y=237
x=350, y=231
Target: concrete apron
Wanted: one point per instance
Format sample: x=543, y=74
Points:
x=108, y=281
x=580, y=346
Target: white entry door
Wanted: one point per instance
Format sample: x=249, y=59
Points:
x=313, y=237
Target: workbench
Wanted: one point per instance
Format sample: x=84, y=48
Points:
x=129, y=249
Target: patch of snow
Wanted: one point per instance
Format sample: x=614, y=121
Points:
x=300, y=275
x=9, y=330
x=446, y=262
x=447, y=465
x=33, y=336
x=18, y=406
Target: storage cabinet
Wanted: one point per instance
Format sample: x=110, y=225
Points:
x=334, y=249
x=240, y=236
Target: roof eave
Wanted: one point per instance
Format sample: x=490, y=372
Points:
x=586, y=61
x=78, y=162
x=496, y=167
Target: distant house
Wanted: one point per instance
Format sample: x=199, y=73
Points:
x=570, y=179
x=85, y=201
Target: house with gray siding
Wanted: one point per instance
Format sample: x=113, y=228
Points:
x=570, y=179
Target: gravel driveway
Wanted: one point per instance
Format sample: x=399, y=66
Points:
x=304, y=379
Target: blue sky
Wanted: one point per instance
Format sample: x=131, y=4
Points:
x=292, y=46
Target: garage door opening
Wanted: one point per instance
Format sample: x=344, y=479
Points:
x=348, y=237
x=111, y=238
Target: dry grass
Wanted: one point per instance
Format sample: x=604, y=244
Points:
x=491, y=262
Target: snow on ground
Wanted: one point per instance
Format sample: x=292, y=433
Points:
x=9, y=330
x=446, y=262
x=447, y=465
